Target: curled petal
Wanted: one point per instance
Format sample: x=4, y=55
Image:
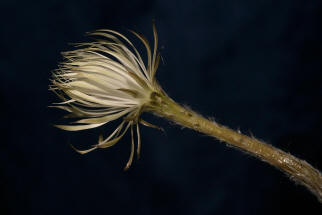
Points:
x=114, y=134
x=113, y=141
x=83, y=151
x=105, y=80
x=138, y=149
x=128, y=164
x=107, y=118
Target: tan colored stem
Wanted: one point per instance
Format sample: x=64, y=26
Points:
x=299, y=170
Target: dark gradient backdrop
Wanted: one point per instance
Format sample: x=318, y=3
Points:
x=253, y=65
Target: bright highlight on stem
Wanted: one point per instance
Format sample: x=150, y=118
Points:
x=107, y=79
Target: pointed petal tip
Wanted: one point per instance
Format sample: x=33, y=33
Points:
x=78, y=127
x=100, y=138
x=126, y=168
x=83, y=151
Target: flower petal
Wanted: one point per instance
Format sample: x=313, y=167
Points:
x=83, y=151
x=113, y=141
x=78, y=127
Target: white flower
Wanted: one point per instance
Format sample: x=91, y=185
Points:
x=105, y=80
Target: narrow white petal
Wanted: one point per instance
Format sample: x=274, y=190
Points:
x=115, y=132
x=113, y=141
x=128, y=164
x=107, y=118
x=138, y=149
x=83, y=151
x=78, y=127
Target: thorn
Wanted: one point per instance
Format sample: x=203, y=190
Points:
x=238, y=130
x=251, y=134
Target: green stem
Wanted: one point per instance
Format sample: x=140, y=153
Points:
x=298, y=170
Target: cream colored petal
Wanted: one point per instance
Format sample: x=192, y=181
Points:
x=66, y=108
x=155, y=66
x=108, y=82
x=84, y=84
x=112, y=95
x=109, y=91
x=95, y=100
x=123, y=60
x=113, y=141
x=83, y=151
x=115, y=133
x=148, y=50
x=155, y=35
x=138, y=149
x=128, y=164
x=65, y=102
x=92, y=113
x=107, y=118
x=113, y=65
x=78, y=127
x=100, y=32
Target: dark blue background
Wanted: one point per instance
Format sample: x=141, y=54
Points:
x=253, y=65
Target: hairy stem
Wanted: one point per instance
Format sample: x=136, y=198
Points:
x=298, y=170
